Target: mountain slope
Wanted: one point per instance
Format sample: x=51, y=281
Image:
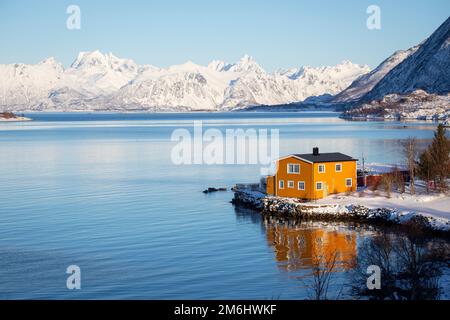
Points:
x=24, y=85
x=186, y=86
x=428, y=68
x=367, y=82
x=100, y=74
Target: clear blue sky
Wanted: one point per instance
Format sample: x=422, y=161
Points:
x=279, y=34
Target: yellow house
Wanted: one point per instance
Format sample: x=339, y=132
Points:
x=313, y=176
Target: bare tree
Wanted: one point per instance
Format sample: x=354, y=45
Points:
x=323, y=269
x=399, y=180
x=410, y=152
x=410, y=264
x=387, y=180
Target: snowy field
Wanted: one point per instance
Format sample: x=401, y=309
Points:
x=432, y=204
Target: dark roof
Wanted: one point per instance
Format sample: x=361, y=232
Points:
x=325, y=157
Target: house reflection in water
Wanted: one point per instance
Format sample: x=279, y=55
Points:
x=303, y=246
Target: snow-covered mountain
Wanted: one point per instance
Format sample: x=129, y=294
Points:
x=427, y=68
x=97, y=81
x=98, y=73
x=367, y=82
x=411, y=84
x=24, y=85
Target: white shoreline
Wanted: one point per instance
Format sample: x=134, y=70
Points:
x=15, y=119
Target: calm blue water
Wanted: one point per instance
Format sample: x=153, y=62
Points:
x=100, y=191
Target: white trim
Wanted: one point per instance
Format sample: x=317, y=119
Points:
x=321, y=189
x=289, y=183
x=293, y=164
x=279, y=184
x=351, y=182
x=324, y=168
x=293, y=156
x=337, y=164
x=304, y=185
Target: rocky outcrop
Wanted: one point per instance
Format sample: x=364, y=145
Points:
x=212, y=190
x=248, y=199
x=290, y=208
x=9, y=116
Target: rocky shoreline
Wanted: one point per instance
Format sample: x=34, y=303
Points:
x=9, y=117
x=271, y=206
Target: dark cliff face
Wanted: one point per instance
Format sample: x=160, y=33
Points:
x=428, y=69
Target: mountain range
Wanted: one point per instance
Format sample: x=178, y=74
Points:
x=97, y=81
x=103, y=82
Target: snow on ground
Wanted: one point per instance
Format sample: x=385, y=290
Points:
x=435, y=205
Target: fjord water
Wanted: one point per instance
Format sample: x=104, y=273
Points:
x=100, y=191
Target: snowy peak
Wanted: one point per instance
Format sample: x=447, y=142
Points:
x=218, y=65
x=246, y=64
x=188, y=66
x=53, y=64
x=89, y=59
x=97, y=74
x=345, y=69
x=291, y=73
x=96, y=59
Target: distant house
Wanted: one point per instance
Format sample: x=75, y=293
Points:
x=313, y=176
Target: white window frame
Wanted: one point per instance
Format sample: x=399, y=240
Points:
x=293, y=164
x=351, y=182
x=324, y=168
x=335, y=167
x=321, y=188
x=289, y=184
x=280, y=182
x=304, y=186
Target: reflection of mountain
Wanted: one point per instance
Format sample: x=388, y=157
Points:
x=297, y=247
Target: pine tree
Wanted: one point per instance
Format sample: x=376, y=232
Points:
x=425, y=168
x=440, y=159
